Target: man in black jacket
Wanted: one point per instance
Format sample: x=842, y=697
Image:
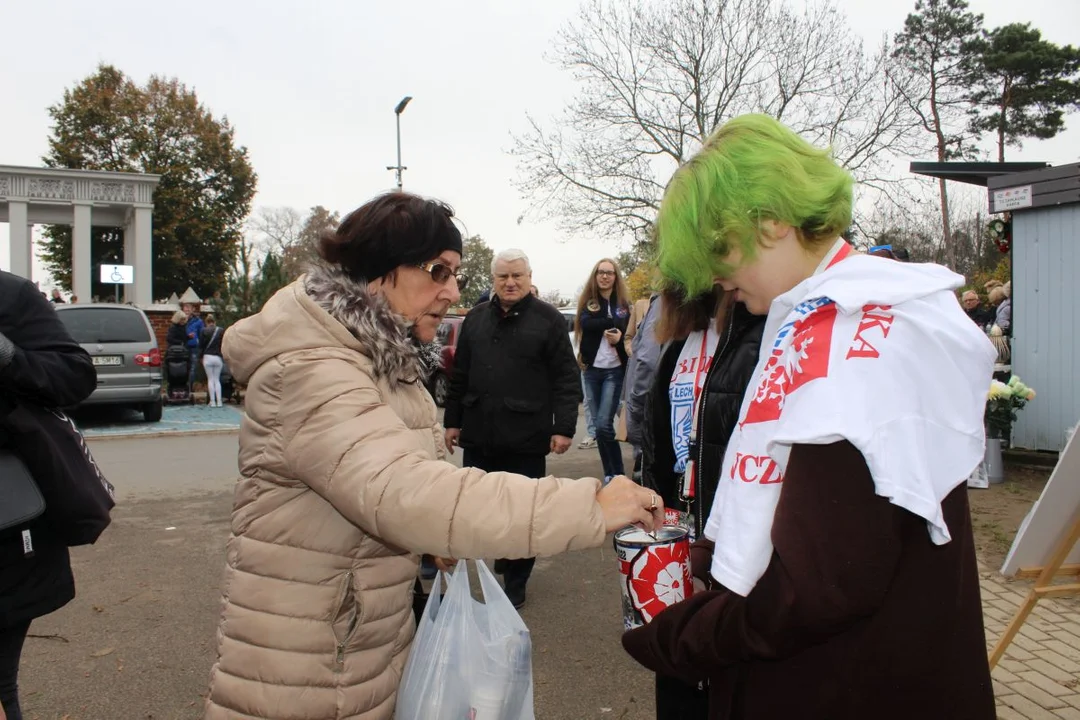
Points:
x=41, y=364
x=516, y=388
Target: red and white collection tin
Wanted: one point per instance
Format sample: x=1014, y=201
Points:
x=654, y=570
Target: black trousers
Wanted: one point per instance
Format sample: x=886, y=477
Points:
x=675, y=700
x=517, y=572
x=11, y=644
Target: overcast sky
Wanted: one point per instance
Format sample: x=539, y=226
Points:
x=310, y=88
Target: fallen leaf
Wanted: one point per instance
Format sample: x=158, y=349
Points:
x=103, y=652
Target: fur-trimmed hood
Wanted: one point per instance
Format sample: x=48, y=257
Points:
x=394, y=351
x=326, y=308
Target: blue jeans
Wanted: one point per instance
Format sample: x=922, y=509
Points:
x=604, y=389
x=194, y=366
x=590, y=423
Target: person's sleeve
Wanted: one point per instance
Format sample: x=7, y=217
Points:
x=345, y=443
x=657, y=453
x=594, y=322
x=565, y=380
x=631, y=330
x=647, y=359
x=39, y=360
x=459, y=379
x=837, y=545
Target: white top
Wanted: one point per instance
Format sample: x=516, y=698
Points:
x=875, y=352
x=606, y=355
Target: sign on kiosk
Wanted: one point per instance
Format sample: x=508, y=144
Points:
x=117, y=274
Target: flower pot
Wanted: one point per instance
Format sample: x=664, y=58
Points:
x=992, y=461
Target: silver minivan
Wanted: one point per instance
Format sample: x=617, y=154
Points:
x=125, y=352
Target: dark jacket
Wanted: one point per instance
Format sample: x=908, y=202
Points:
x=725, y=384
x=593, y=325
x=208, y=343
x=47, y=367
x=858, y=615
x=516, y=382
x=176, y=335
x=981, y=315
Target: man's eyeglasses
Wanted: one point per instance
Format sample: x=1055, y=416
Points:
x=605, y=273
x=440, y=273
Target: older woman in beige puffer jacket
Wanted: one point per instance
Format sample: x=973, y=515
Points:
x=343, y=484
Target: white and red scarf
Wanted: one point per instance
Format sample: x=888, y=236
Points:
x=868, y=350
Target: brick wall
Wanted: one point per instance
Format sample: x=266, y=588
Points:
x=160, y=320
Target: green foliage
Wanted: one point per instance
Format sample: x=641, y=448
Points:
x=250, y=284
x=643, y=252
x=1022, y=85
x=476, y=263
x=107, y=122
x=1002, y=272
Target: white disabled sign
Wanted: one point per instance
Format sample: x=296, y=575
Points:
x=117, y=274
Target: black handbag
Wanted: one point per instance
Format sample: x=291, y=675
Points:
x=78, y=496
x=20, y=499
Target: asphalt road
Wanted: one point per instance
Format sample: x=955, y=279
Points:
x=137, y=643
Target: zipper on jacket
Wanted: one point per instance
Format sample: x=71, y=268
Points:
x=346, y=595
x=698, y=526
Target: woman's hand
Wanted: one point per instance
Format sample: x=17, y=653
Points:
x=445, y=564
x=613, y=336
x=624, y=502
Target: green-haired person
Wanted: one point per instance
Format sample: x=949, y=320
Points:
x=838, y=553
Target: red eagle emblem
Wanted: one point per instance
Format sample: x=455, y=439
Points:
x=659, y=577
x=790, y=367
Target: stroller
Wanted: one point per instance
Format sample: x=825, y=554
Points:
x=177, y=373
x=228, y=385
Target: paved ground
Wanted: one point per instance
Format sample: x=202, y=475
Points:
x=114, y=422
x=1039, y=677
x=137, y=642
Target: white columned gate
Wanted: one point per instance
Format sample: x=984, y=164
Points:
x=81, y=199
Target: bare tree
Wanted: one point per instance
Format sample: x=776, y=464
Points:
x=934, y=50
x=917, y=228
x=657, y=77
x=276, y=228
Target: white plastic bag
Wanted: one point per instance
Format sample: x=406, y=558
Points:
x=469, y=660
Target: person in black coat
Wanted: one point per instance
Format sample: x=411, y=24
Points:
x=41, y=364
x=177, y=332
x=731, y=339
x=515, y=389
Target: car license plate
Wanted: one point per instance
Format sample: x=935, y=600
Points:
x=100, y=360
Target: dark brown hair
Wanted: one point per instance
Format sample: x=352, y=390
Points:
x=680, y=316
x=389, y=231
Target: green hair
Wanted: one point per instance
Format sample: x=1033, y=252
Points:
x=751, y=169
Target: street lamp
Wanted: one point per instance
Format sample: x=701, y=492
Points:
x=397, y=113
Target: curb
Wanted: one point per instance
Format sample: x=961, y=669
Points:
x=1029, y=458
x=161, y=434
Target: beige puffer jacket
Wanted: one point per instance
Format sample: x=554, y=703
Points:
x=341, y=487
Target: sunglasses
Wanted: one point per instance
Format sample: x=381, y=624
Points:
x=440, y=273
